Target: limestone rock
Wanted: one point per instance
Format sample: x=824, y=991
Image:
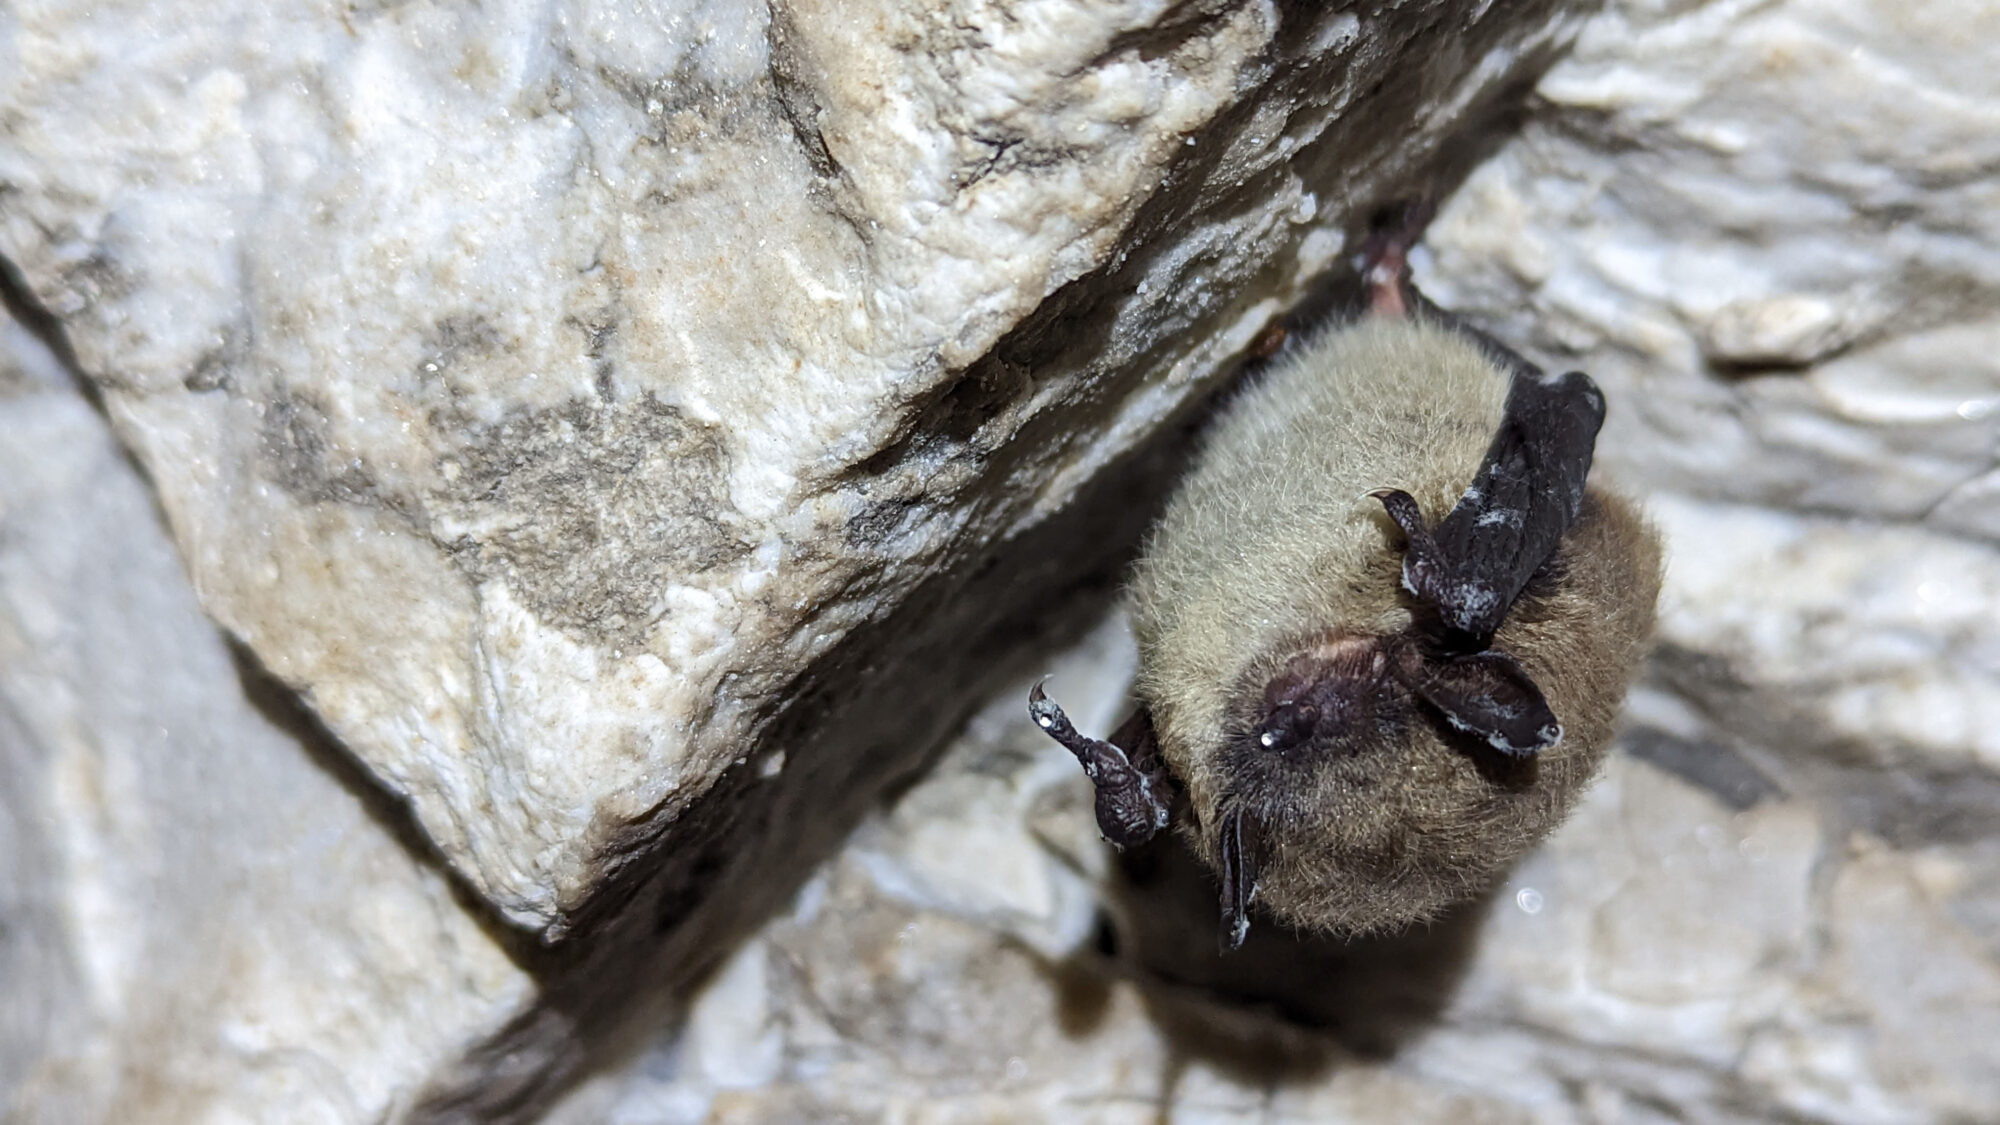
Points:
x=635, y=431
x=1766, y=229
x=208, y=915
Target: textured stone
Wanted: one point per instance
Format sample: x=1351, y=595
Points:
x=486, y=419
x=208, y=915
x=1715, y=196
x=1880, y=643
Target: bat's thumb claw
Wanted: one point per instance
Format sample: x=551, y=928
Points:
x=1047, y=714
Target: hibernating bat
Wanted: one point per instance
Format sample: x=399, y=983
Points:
x=1385, y=626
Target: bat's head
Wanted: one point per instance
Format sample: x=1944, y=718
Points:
x=1348, y=799
x=1303, y=708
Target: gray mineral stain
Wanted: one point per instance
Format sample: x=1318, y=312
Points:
x=589, y=510
x=296, y=438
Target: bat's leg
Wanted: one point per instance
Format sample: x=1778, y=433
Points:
x=1385, y=269
x=1239, y=880
x=1385, y=260
x=1424, y=567
x=1131, y=794
x=1141, y=745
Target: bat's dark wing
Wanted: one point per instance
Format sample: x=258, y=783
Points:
x=1526, y=494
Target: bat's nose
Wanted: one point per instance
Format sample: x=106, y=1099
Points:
x=1288, y=725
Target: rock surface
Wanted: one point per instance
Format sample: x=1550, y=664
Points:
x=1767, y=229
x=204, y=919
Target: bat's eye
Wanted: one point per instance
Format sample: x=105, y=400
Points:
x=1288, y=725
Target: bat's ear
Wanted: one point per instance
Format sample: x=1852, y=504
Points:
x=1488, y=695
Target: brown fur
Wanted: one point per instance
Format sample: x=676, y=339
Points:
x=1272, y=547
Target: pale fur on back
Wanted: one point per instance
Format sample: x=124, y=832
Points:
x=1272, y=537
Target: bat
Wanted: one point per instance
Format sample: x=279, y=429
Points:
x=1385, y=624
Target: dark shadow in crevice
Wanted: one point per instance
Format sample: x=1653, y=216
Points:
x=1710, y=764
x=1288, y=1006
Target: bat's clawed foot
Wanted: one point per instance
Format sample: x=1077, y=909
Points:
x=1131, y=794
x=1426, y=573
